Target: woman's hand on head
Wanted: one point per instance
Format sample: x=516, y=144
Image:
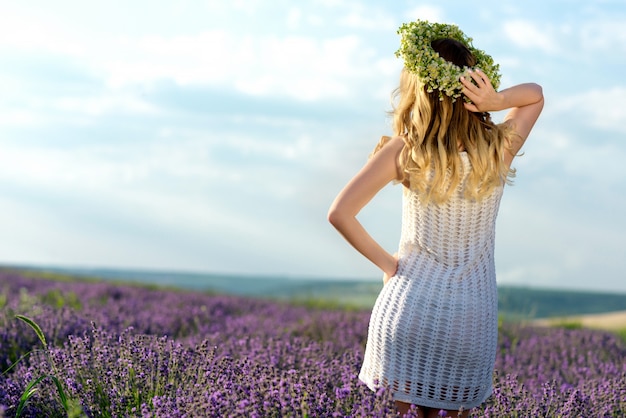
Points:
x=482, y=94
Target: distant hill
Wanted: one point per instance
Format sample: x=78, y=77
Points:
x=525, y=303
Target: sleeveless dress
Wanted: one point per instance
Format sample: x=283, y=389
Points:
x=433, y=331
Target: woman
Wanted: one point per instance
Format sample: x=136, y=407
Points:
x=433, y=331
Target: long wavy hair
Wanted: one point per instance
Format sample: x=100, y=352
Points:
x=437, y=130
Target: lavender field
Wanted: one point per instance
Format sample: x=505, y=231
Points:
x=130, y=351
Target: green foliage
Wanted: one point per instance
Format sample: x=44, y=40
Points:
x=28, y=302
x=31, y=389
x=46, y=274
x=325, y=304
x=56, y=299
x=569, y=324
x=35, y=328
x=507, y=332
x=28, y=393
x=71, y=407
x=137, y=382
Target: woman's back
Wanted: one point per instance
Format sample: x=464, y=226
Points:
x=434, y=325
x=454, y=232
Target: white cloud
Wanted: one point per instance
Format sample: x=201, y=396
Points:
x=527, y=34
x=294, y=18
x=19, y=117
x=117, y=102
x=300, y=67
x=207, y=57
x=606, y=36
x=599, y=108
x=371, y=19
x=305, y=68
x=575, y=41
x=265, y=63
x=426, y=12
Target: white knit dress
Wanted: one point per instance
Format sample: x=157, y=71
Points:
x=433, y=331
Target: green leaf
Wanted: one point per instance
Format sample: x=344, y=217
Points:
x=15, y=363
x=62, y=394
x=28, y=393
x=35, y=328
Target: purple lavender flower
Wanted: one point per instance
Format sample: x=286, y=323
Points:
x=134, y=351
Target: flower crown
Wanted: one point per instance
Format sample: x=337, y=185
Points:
x=435, y=72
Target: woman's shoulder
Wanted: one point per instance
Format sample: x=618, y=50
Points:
x=390, y=143
x=396, y=142
x=385, y=139
x=391, y=147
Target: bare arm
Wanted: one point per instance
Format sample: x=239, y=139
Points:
x=524, y=100
x=376, y=174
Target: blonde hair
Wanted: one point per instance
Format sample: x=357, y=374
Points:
x=434, y=130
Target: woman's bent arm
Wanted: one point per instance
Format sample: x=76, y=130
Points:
x=376, y=174
x=522, y=118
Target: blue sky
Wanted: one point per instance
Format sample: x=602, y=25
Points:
x=212, y=136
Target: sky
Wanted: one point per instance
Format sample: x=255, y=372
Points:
x=212, y=136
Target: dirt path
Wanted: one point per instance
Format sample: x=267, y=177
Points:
x=611, y=321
